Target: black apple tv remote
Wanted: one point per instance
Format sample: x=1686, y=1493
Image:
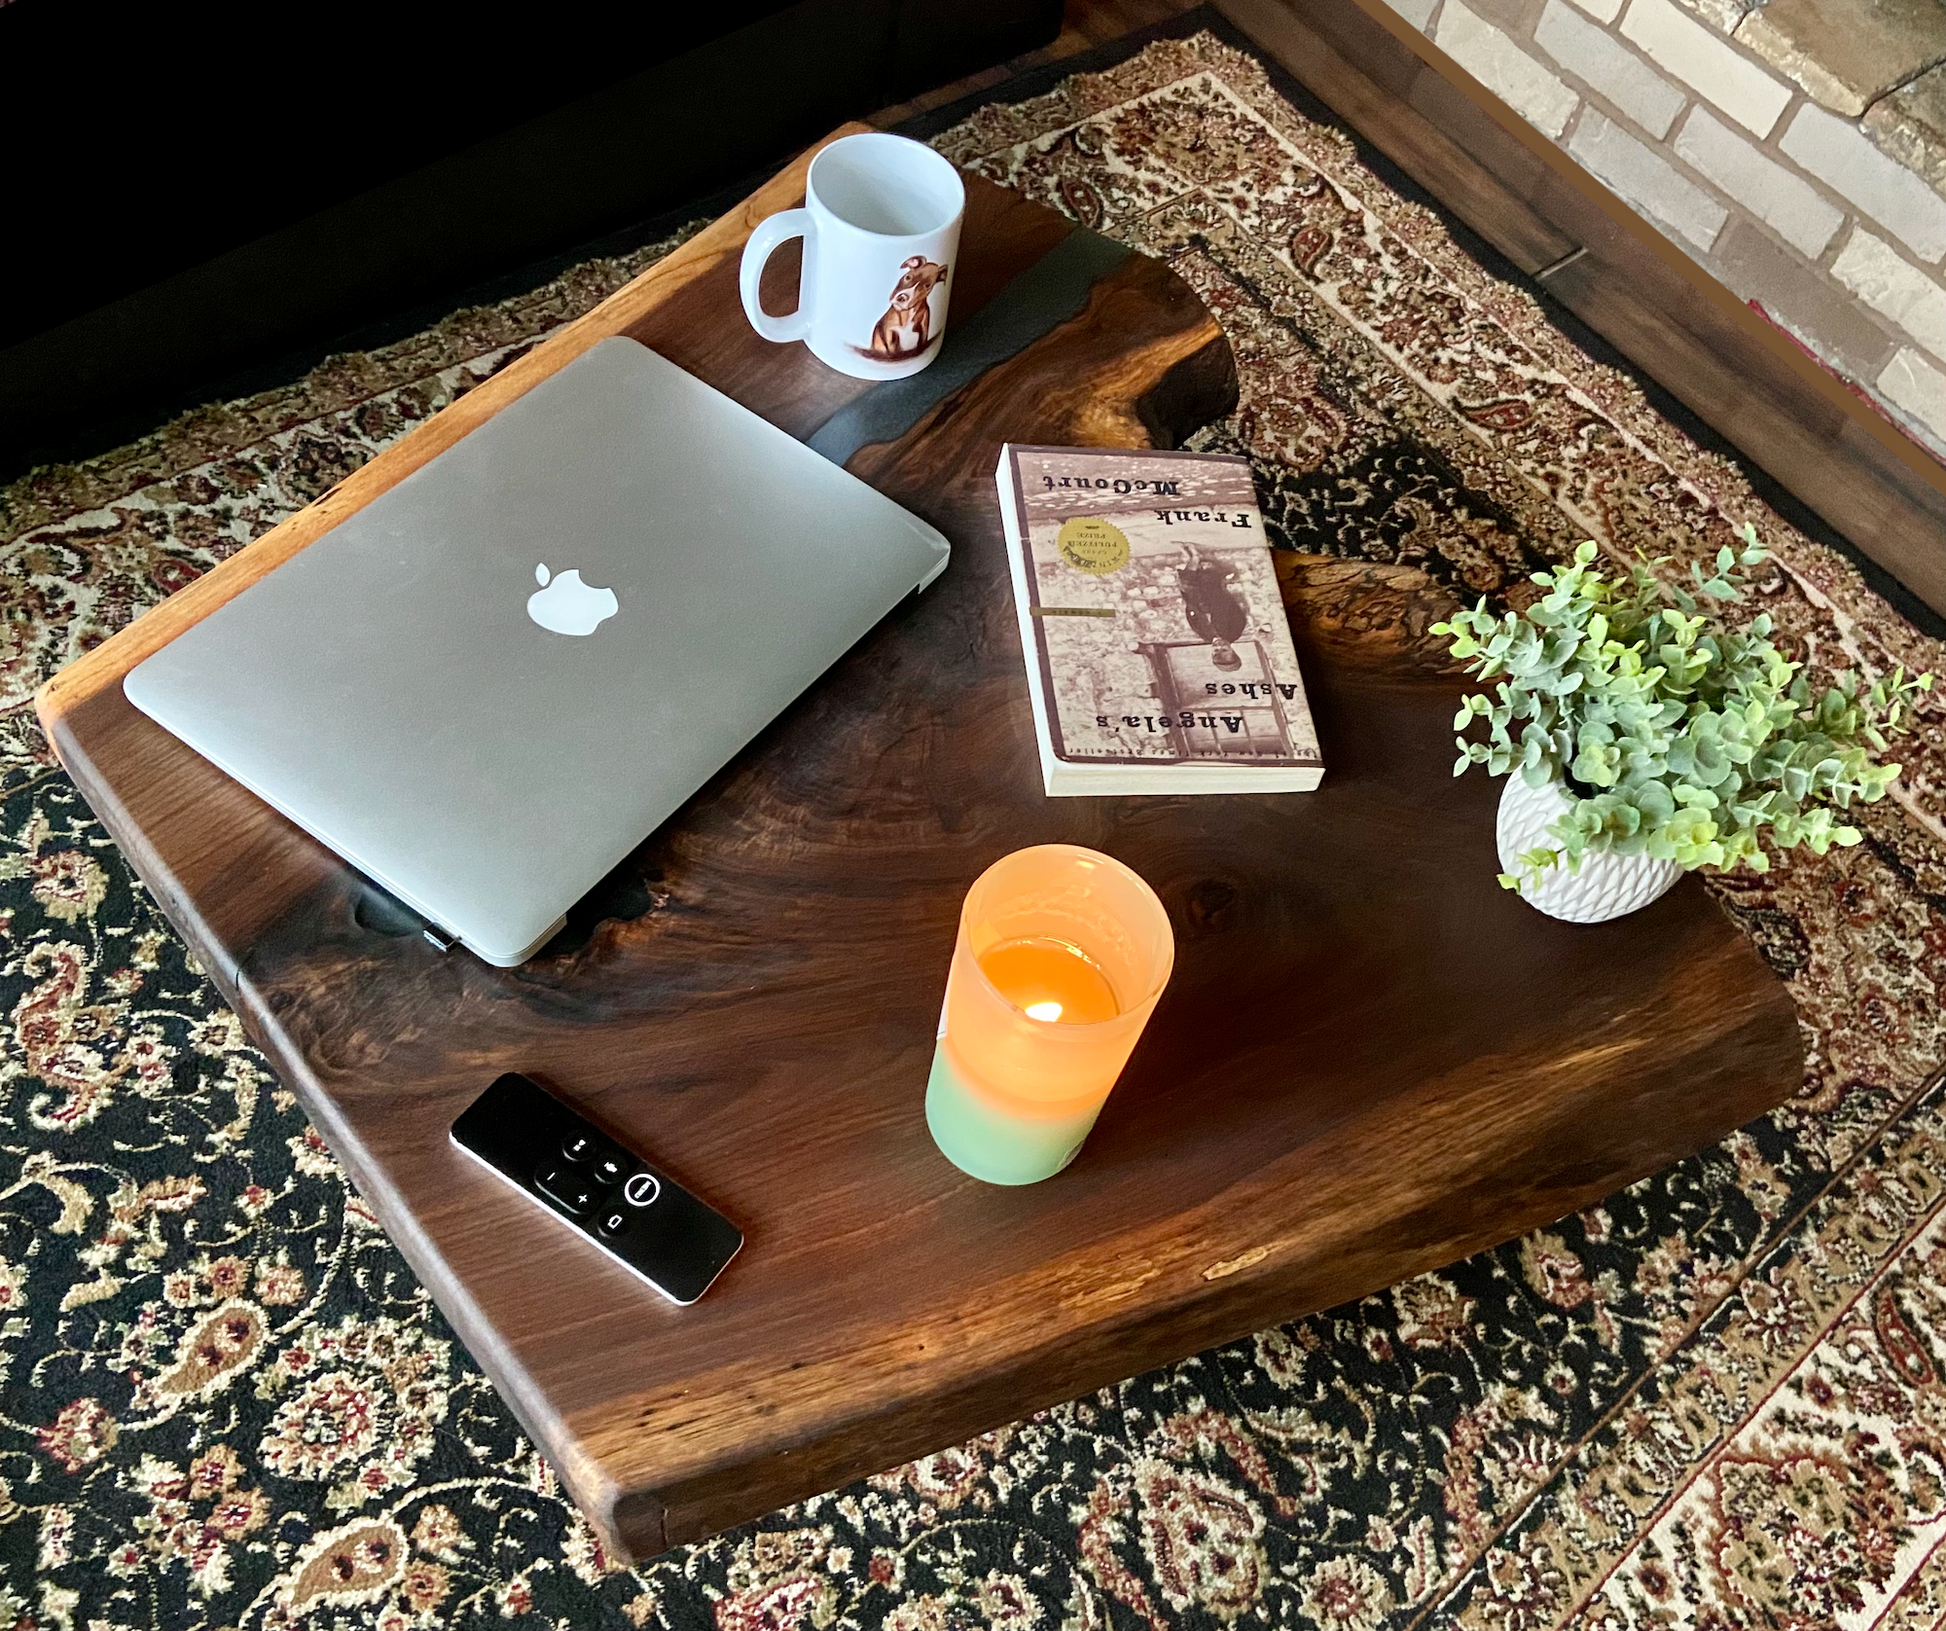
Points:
x=632, y=1210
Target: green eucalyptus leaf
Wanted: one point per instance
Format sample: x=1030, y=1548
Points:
x=1694, y=738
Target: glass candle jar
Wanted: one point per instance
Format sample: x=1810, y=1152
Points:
x=1061, y=955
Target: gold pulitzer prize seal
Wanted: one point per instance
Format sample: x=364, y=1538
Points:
x=1089, y=544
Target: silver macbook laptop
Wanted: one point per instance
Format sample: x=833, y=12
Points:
x=492, y=682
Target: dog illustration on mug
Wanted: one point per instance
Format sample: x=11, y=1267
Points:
x=906, y=328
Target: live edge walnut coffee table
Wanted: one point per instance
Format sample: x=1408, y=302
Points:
x=1371, y=1061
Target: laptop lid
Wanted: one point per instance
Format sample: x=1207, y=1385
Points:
x=492, y=682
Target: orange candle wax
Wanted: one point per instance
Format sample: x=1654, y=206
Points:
x=1061, y=956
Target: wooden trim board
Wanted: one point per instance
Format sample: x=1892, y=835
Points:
x=1660, y=309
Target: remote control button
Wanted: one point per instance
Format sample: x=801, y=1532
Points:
x=578, y=1146
x=573, y=1191
x=641, y=1189
x=609, y=1167
x=613, y=1221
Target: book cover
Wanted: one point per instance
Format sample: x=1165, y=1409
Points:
x=1153, y=626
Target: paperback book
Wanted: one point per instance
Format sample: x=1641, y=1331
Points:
x=1158, y=652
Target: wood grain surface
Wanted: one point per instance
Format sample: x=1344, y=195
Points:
x=1371, y=1059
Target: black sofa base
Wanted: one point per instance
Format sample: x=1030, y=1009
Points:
x=672, y=132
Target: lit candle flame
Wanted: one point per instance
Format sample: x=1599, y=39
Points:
x=1049, y=1011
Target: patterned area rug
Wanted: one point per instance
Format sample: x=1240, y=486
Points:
x=1718, y=1399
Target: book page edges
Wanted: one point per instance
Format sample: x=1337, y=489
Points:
x=1014, y=524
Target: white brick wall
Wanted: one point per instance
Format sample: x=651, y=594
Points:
x=1647, y=180
x=1873, y=270
x=1912, y=383
x=1493, y=59
x=1795, y=207
x=1615, y=72
x=1838, y=152
x=1742, y=88
x=1417, y=12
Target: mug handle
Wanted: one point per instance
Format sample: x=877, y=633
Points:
x=762, y=245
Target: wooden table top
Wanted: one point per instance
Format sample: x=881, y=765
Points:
x=1371, y=1060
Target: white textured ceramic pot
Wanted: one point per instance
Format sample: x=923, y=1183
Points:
x=1604, y=886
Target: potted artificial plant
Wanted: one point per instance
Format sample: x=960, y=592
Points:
x=1652, y=735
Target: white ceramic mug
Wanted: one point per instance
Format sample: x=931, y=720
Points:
x=880, y=225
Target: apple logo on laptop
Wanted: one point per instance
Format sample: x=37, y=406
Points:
x=566, y=605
